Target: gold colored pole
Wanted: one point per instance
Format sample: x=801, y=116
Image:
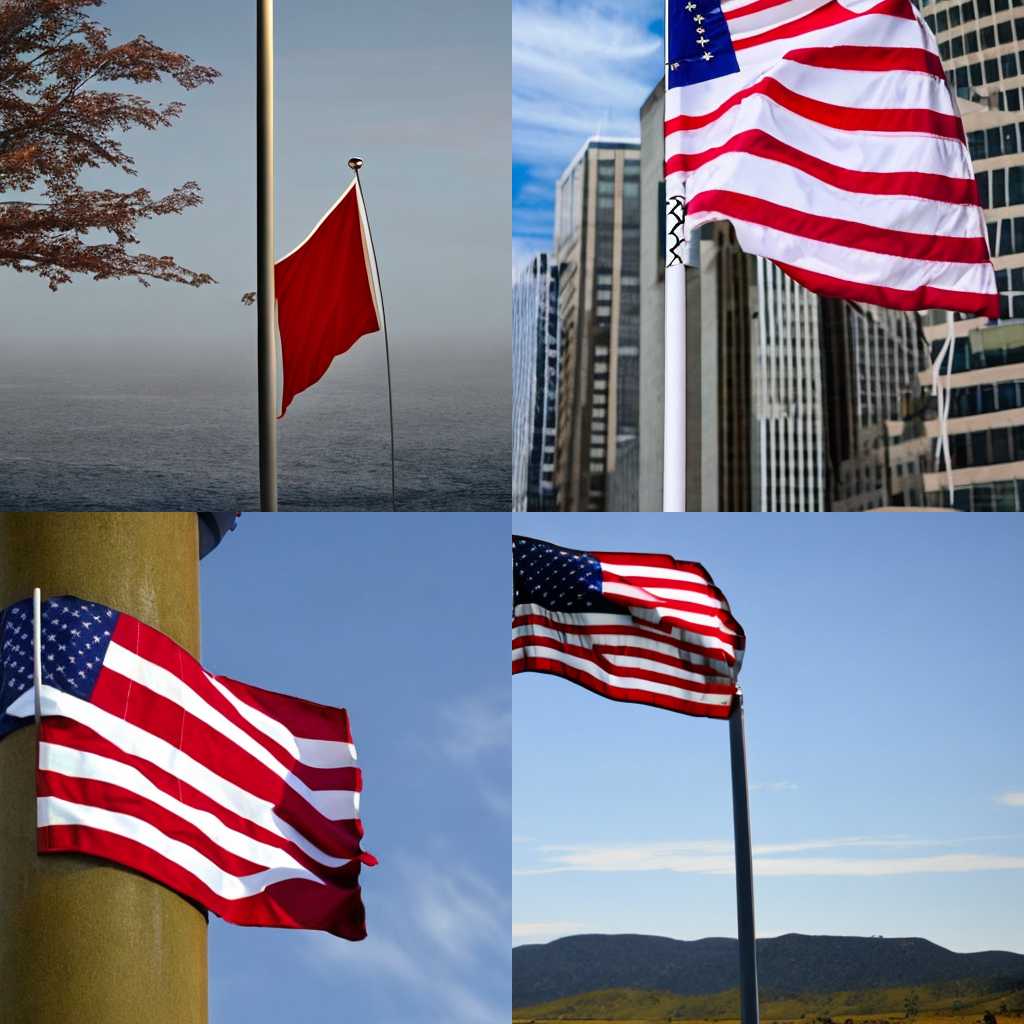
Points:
x=81, y=939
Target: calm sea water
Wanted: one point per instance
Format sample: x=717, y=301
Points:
x=71, y=441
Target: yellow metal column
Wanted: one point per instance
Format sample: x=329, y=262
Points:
x=81, y=940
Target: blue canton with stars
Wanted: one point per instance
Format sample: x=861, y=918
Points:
x=74, y=641
x=559, y=579
x=699, y=44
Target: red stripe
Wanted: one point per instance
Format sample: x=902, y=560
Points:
x=109, y=797
x=676, y=611
x=665, y=636
x=656, y=561
x=869, y=58
x=926, y=122
x=936, y=187
x=597, y=657
x=162, y=651
x=300, y=717
x=683, y=590
x=303, y=718
x=623, y=694
x=295, y=903
x=832, y=13
x=756, y=7
x=167, y=720
x=925, y=297
x=344, y=842
x=866, y=237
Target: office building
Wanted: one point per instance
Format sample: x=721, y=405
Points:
x=534, y=384
x=597, y=247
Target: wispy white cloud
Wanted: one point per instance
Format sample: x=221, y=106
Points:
x=1011, y=799
x=447, y=908
x=476, y=734
x=715, y=857
x=579, y=68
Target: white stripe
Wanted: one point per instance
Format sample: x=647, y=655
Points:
x=23, y=706
x=854, y=150
x=676, y=594
x=640, y=593
x=330, y=802
x=52, y=810
x=638, y=618
x=772, y=17
x=621, y=682
x=854, y=265
x=80, y=764
x=655, y=572
x=315, y=753
x=140, y=743
x=636, y=660
x=788, y=186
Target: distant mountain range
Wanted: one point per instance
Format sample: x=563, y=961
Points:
x=787, y=965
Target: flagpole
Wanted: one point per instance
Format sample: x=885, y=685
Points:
x=356, y=163
x=37, y=650
x=674, y=452
x=749, y=1009
x=266, y=320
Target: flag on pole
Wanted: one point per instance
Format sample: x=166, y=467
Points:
x=243, y=800
x=646, y=629
x=327, y=294
x=825, y=132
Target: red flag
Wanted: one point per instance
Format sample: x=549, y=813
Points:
x=327, y=294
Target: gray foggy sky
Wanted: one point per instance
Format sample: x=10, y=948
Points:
x=420, y=91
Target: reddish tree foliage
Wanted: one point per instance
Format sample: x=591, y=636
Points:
x=52, y=127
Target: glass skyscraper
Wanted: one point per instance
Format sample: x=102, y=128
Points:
x=535, y=360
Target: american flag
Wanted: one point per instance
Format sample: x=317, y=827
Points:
x=825, y=132
x=244, y=800
x=632, y=627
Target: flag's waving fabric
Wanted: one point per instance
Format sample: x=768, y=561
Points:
x=641, y=628
x=825, y=132
x=244, y=800
x=327, y=294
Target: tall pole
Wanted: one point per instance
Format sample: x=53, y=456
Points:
x=749, y=1010
x=82, y=939
x=674, y=451
x=356, y=163
x=265, y=331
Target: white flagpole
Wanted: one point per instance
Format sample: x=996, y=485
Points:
x=37, y=652
x=749, y=1009
x=674, y=454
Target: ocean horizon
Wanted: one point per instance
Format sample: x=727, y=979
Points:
x=76, y=440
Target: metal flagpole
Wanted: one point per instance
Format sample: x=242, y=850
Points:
x=674, y=454
x=266, y=319
x=749, y=1009
x=355, y=163
x=37, y=650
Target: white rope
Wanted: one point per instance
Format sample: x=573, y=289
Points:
x=943, y=395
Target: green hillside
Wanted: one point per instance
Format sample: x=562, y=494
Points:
x=967, y=999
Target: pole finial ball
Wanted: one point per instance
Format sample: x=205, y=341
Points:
x=355, y=163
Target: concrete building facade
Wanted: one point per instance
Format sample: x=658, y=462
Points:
x=597, y=247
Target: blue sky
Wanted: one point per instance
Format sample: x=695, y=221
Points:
x=883, y=701
x=579, y=68
x=408, y=630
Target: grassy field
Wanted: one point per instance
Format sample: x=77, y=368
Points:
x=952, y=1003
